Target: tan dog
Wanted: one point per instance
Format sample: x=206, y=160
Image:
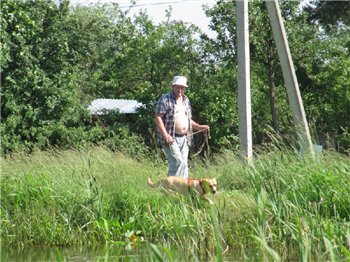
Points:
x=185, y=186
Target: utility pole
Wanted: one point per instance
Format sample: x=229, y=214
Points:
x=243, y=80
x=290, y=79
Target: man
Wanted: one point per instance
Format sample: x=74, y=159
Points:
x=174, y=124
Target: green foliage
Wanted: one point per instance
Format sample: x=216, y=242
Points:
x=311, y=49
x=280, y=206
x=56, y=58
x=320, y=11
x=37, y=95
x=344, y=141
x=217, y=98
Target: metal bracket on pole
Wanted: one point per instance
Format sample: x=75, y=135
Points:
x=289, y=76
x=243, y=80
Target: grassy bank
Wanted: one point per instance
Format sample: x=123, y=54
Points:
x=280, y=207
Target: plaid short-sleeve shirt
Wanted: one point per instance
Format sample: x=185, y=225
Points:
x=166, y=105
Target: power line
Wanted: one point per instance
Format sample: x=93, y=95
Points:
x=168, y=2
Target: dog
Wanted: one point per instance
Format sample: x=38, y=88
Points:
x=186, y=186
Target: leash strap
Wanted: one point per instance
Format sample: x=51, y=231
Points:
x=205, y=141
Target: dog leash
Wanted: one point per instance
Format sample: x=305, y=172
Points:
x=205, y=141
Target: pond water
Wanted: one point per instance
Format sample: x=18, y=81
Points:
x=97, y=253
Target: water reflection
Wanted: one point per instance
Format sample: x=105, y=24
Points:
x=111, y=252
x=96, y=253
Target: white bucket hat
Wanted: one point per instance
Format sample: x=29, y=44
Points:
x=180, y=80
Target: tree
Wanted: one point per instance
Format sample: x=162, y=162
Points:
x=38, y=102
x=329, y=13
x=264, y=59
x=308, y=47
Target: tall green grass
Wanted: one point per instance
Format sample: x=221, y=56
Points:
x=279, y=207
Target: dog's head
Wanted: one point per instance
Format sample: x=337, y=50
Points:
x=210, y=185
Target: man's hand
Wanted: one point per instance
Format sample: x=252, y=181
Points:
x=168, y=138
x=200, y=128
x=203, y=128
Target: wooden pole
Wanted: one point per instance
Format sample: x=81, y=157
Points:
x=244, y=97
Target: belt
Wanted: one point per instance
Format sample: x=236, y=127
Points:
x=176, y=135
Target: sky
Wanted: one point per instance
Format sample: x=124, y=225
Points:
x=185, y=10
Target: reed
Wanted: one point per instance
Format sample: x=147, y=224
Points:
x=279, y=207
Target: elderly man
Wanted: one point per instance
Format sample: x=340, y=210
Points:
x=174, y=125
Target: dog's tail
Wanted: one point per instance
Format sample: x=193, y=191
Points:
x=150, y=183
